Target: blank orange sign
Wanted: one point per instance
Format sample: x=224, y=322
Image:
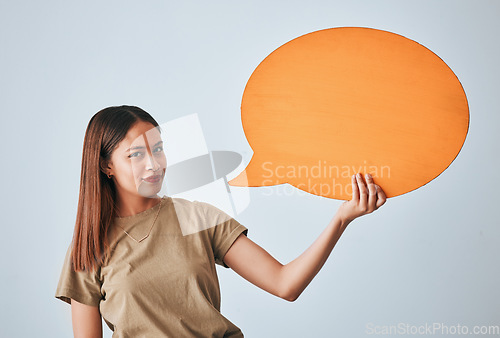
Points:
x=338, y=101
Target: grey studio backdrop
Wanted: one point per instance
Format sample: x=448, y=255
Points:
x=429, y=256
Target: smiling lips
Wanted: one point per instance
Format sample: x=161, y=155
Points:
x=153, y=179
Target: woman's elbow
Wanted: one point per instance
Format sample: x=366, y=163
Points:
x=290, y=295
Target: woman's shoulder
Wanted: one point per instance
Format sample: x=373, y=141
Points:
x=193, y=206
x=197, y=215
x=200, y=207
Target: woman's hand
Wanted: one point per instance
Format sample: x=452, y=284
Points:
x=366, y=198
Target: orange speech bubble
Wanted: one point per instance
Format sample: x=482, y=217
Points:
x=338, y=101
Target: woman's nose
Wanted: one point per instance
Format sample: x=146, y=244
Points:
x=152, y=164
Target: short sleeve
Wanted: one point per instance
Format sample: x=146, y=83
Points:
x=82, y=286
x=224, y=232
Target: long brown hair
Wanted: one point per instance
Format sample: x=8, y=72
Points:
x=96, y=203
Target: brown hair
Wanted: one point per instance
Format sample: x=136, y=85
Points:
x=96, y=203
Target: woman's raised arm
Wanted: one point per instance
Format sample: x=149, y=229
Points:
x=288, y=281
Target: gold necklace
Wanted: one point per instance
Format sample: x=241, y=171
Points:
x=138, y=241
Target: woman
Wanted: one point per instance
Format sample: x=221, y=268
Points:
x=131, y=263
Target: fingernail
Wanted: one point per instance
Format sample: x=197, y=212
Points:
x=368, y=176
x=359, y=175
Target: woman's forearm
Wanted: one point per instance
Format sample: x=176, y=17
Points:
x=366, y=198
x=300, y=272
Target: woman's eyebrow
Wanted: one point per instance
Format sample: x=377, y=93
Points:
x=142, y=147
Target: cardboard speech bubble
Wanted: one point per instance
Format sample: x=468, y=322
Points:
x=338, y=101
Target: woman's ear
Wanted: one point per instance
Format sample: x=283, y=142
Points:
x=106, y=167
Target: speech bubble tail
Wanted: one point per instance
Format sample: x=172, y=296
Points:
x=240, y=181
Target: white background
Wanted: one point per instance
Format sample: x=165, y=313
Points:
x=431, y=255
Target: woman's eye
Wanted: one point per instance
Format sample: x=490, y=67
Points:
x=140, y=153
x=135, y=154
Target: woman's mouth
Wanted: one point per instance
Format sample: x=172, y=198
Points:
x=153, y=179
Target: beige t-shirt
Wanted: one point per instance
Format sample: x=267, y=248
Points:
x=166, y=285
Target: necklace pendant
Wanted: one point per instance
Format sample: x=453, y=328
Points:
x=154, y=221
x=143, y=238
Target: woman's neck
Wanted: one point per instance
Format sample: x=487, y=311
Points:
x=131, y=205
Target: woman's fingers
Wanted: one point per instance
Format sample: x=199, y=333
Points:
x=363, y=191
x=381, y=197
x=366, y=197
x=372, y=193
x=355, y=190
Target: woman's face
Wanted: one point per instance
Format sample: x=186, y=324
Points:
x=138, y=158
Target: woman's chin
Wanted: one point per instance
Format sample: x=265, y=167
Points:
x=148, y=189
